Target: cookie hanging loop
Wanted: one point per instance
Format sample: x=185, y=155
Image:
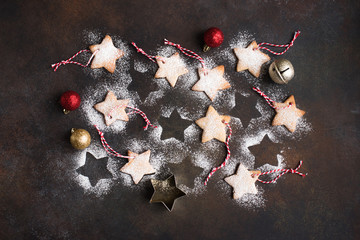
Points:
x=227, y=156
x=143, y=115
x=151, y=57
x=283, y=171
x=68, y=61
x=136, y=110
x=107, y=147
x=286, y=46
x=269, y=100
x=187, y=52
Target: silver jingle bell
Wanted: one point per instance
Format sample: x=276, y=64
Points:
x=281, y=71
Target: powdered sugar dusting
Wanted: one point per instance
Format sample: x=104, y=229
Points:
x=140, y=66
x=97, y=94
x=103, y=186
x=204, y=155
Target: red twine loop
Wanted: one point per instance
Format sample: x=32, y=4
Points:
x=269, y=100
x=286, y=46
x=107, y=147
x=151, y=57
x=187, y=52
x=283, y=171
x=227, y=156
x=68, y=61
x=138, y=111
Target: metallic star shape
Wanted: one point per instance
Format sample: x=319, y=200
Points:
x=94, y=169
x=251, y=59
x=113, y=109
x=106, y=55
x=243, y=182
x=174, y=126
x=211, y=81
x=213, y=126
x=138, y=166
x=287, y=116
x=166, y=192
x=170, y=68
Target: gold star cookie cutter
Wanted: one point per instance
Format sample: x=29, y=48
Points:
x=166, y=192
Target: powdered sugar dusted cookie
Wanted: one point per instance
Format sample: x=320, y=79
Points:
x=170, y=68
x=113, y=109
x=138, y=166
x=243, y=181
x=251, y=59
x=106, y=54
x=213, y=125
x=211, y=81
x=287, y=115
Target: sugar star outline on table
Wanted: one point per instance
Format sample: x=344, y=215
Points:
x=106, y=54
x=251, y=58
x=171, y=130
x=287, y=114
x=94, y=169
x=271, y=150
x=211, y=81
x=112, y=108
x=170, y=68
x=243, y=182
x=213, y=125
x=245, y=104
x=166, y=192
x=138, y=166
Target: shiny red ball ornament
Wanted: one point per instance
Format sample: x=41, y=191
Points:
x=213, y=38
x=70, y=101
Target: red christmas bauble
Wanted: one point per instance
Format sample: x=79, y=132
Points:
x=70, y=100
x=213, y=37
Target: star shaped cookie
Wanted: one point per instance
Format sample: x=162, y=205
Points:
x=106, y=54
x=138, y=166
x=213, y=126
x=211, y=81
x=242, y=182
x=287, y=116
x=113, y=109
x=170, y=68
x=251, y=59
x=166, y=192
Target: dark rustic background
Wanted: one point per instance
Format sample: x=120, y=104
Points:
x=34, y=204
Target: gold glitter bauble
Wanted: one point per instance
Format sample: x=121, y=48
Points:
x=80, y=138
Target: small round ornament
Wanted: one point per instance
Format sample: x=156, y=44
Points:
x=80, y=138
x=70, y=100
x=281, y=71
x=213, y=38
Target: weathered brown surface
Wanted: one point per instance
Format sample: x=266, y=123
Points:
x=37, y=203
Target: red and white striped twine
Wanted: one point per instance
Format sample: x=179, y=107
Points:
x=269, y=100
x=227, y=156
x=136, y=110
x=286, y=46
x=64, y=62
x=107, y=147
x=151, y=57
x=187, y=52
x=143, y=115
x=283, y=171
